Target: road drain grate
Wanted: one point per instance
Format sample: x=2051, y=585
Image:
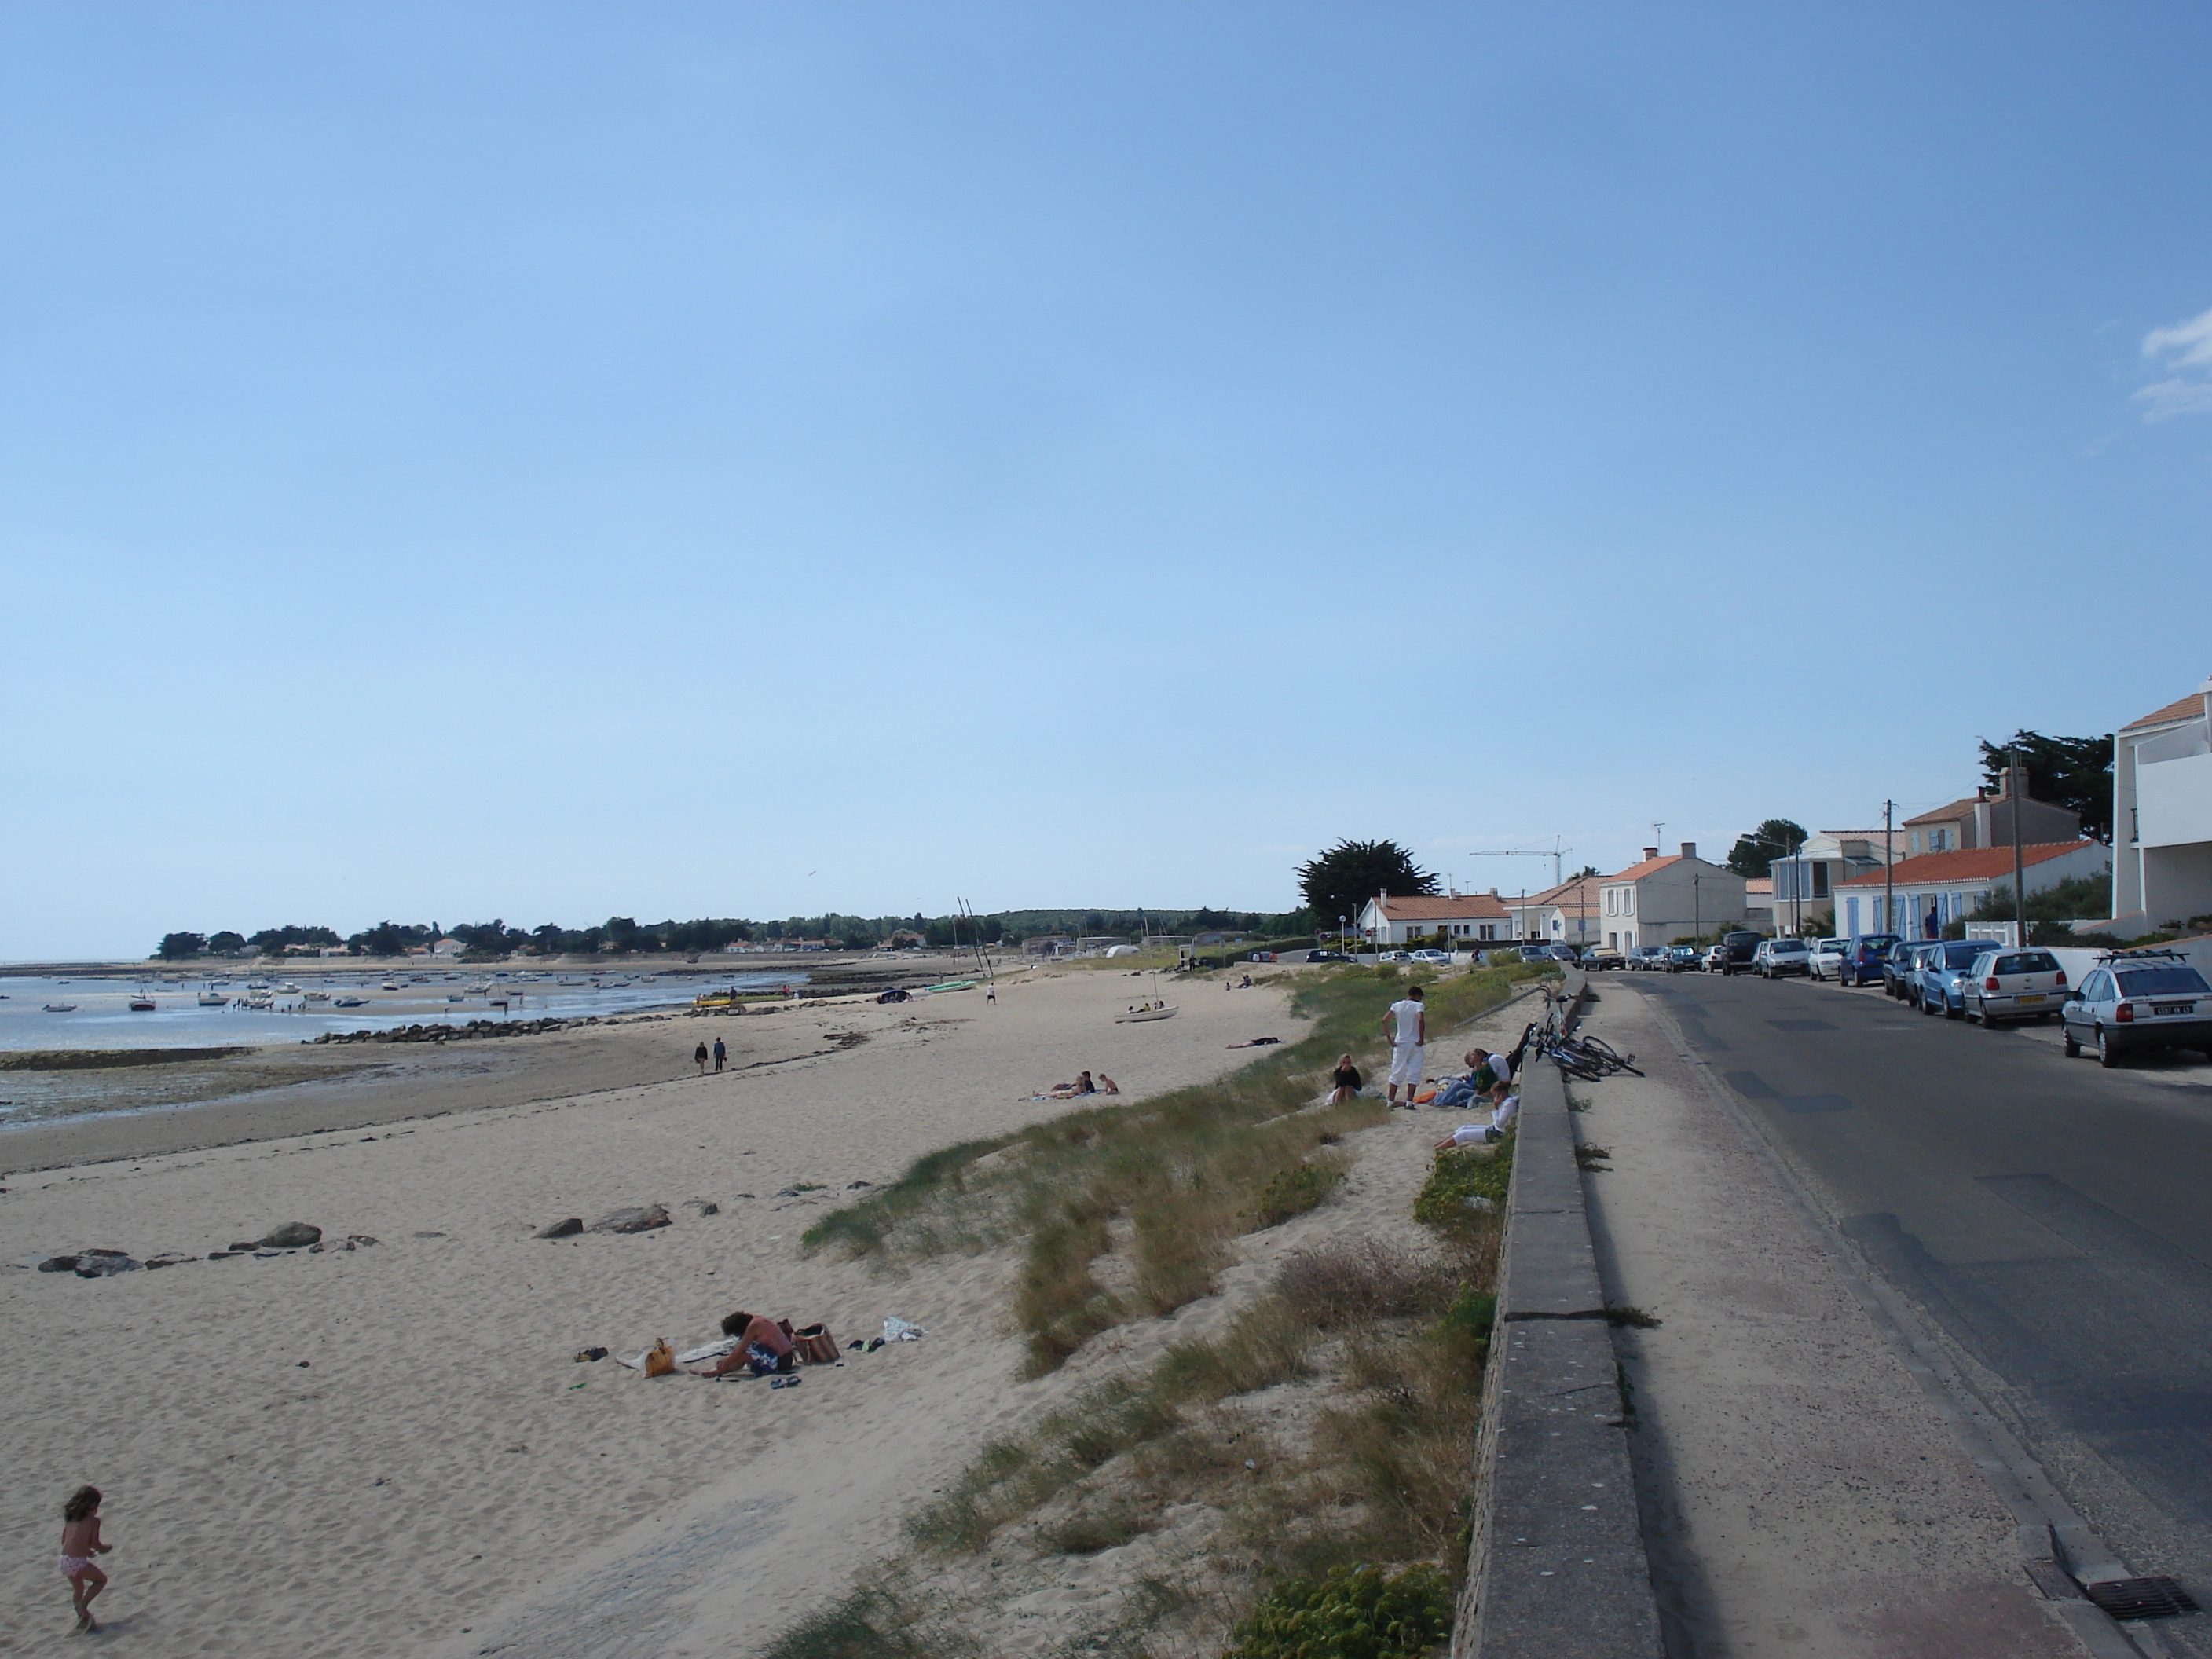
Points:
x=2140, y=1598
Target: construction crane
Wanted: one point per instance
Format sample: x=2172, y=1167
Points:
x=1554, y=852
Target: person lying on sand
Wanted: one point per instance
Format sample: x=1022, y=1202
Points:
x=1081, y=1085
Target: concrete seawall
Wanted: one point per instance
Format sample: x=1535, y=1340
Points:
x=1557, y=1564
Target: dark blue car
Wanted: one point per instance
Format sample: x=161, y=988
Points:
x=1861, y=959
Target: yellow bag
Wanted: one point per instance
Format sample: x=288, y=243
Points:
x=659, y=1358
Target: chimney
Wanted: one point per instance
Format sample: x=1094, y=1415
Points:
x=1650, y=853
x=1689, y=849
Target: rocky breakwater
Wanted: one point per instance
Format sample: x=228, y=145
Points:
x=287, y=1239
x=474, y=1030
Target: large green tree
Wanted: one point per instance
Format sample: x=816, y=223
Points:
x=1350, y=873
x=178, y=947
x=2071, y=772
x=1755, y=853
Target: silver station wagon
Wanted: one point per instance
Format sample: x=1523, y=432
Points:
x=2134, y=1000
x=2022, y=985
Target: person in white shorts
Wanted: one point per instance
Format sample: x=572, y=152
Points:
x=1477, y=1134
x=1407, y=1026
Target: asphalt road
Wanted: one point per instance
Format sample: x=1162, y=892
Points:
x=2054, y=1218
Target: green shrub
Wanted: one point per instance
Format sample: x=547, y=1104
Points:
x=1472, y=1313
x=1355, y=1612
x=1294, y=1191
x=1461, y=1173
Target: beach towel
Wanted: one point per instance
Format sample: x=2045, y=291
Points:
x=898, y=1330
x=708, y=1351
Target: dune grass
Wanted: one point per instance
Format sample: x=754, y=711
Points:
x=1189, y=1170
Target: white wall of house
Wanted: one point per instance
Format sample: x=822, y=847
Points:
x=1679, y=899
x=1955, y=900
x=2163, y=814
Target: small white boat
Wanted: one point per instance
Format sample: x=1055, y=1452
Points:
x=350, y=1002
x=1136, y=1016
x=60, y=1008
x=388, y=986
x=213, y=1000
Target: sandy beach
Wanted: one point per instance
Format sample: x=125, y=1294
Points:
x=391, y=1450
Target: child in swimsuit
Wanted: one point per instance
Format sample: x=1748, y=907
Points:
x=80, y=1543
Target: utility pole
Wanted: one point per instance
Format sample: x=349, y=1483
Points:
x=2016, y=787
x=1798, y=887
x=1697, y=906
x=1889, y=881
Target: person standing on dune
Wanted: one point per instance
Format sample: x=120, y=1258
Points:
x=1407, y=1026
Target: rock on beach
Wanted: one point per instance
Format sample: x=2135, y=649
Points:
x=632, y=1221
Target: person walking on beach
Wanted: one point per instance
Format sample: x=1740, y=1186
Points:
x=81, y=1541
x=699, y=1058
x=720, y=1053
x=1407, y=1026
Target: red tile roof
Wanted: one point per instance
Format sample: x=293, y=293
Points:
x=1476, y=907
x=2187, y=708
x=1637, y=872
x=1568, y=895
x=1758, y=887
x=1973, y=864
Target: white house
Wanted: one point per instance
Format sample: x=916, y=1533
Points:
x=1566, y=915
x=1758, y=903
x=2162, y=815
x=1469, y=919
x=1803, y=884
x=1928, y=893
x=1659, y=900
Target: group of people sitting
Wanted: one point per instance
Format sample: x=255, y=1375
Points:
x=1489, y=1079
x=1083, y=1085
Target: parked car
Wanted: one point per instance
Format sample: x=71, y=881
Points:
x=1327, y=956
x=1644, y=958
x=1604, y=956
x=1736, y=950
x=1774, y=958
x=1825, y=957
x=1713, y=959
x=1940, y=979
x=2022, y=985
x=1432, y=955
x=1897, y=969
x=2133, y=1000
x=1862, y=960
x=1395, y=955
x=1565, y=953
x=1680, y=958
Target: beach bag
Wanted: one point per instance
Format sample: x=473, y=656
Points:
x=659, y=1358
x=815, y=1346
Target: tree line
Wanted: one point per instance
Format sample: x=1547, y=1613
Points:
x=625, y=935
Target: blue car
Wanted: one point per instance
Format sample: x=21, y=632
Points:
x=1861, y=959
x=1939, y=976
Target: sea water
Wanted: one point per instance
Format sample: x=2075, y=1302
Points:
x=102, y=1018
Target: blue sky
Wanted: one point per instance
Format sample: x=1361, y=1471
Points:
x=552, y=462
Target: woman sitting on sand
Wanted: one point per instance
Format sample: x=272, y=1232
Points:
x=1081, y=1085
x=761, y=1345
x=1347, y=1081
